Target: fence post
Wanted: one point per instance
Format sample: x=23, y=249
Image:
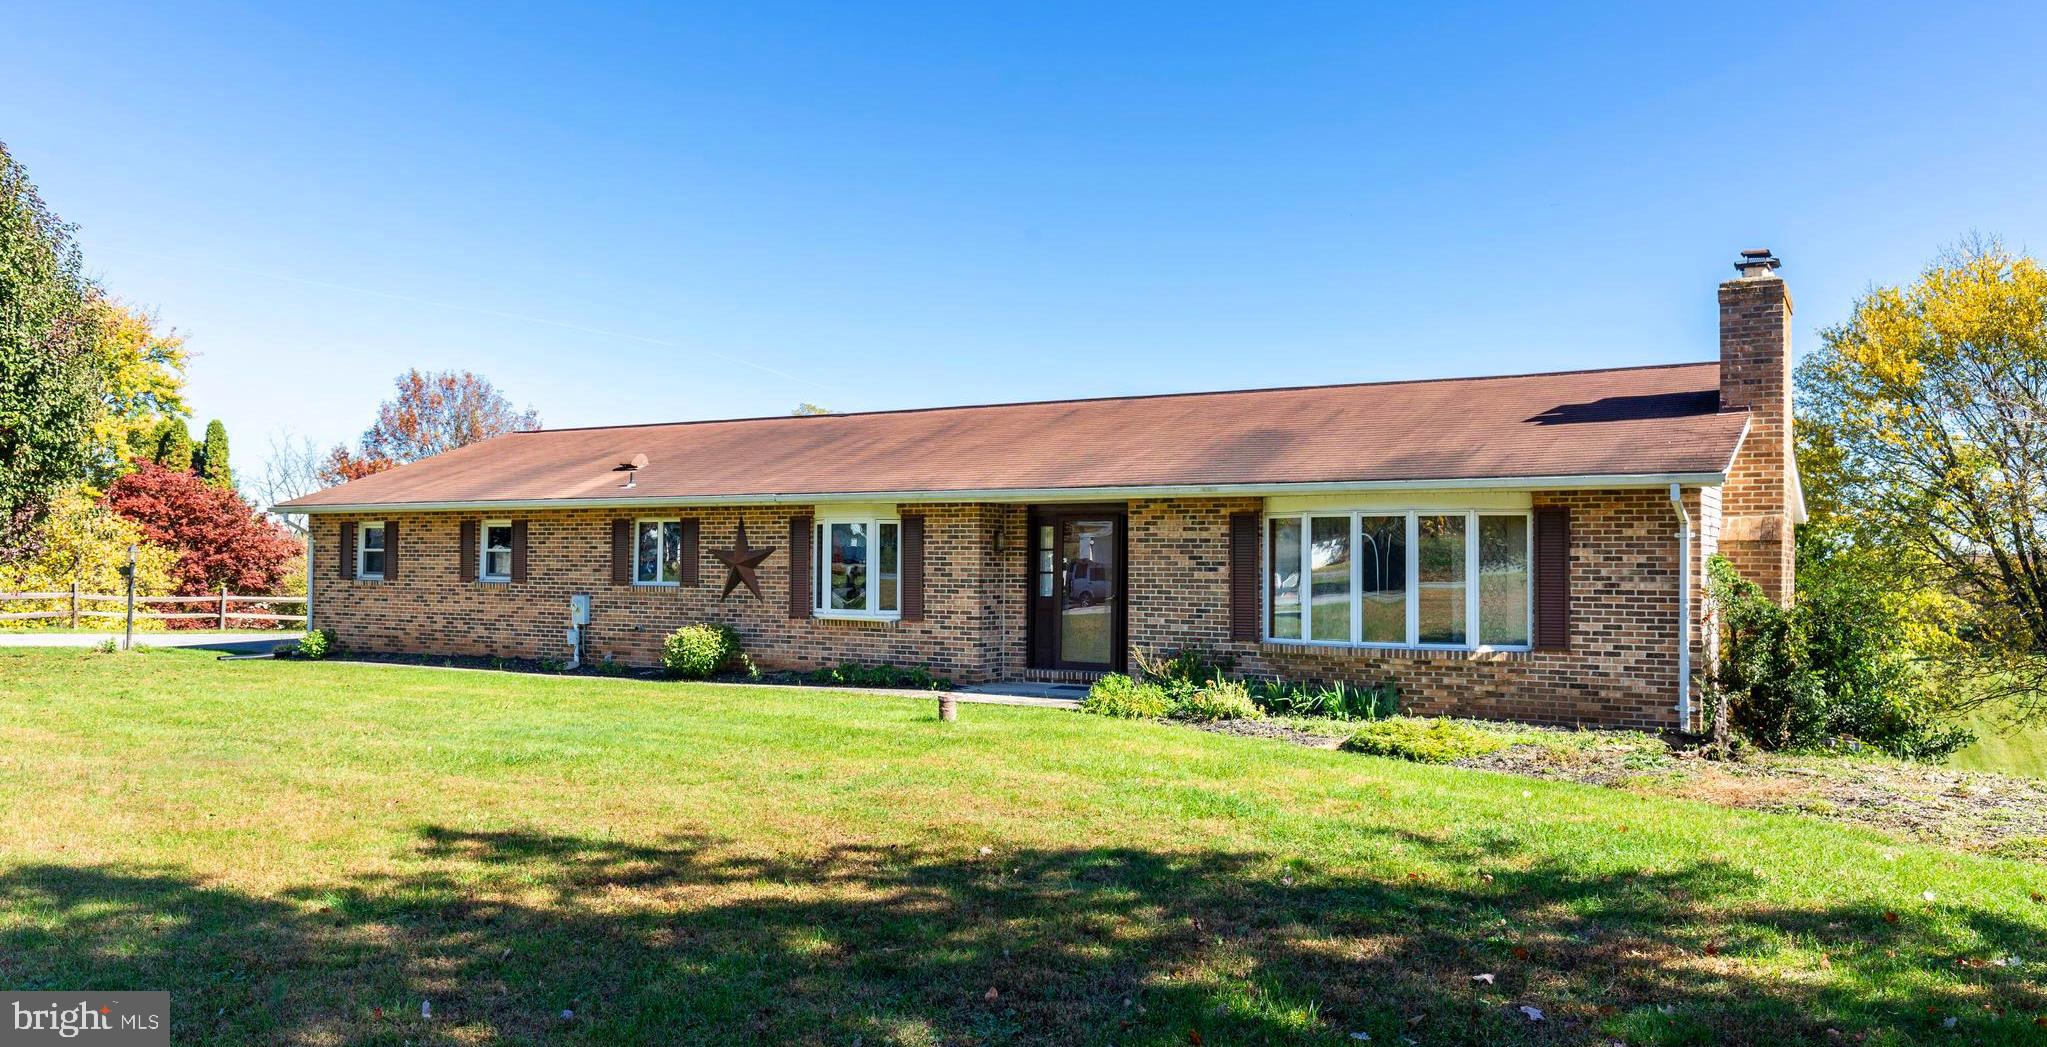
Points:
x=223, y=607
x=128, y=571
x=74, y=604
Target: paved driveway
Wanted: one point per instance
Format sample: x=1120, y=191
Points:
x=233, y=643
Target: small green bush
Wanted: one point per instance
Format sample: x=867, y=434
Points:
x=1424, y=740
x=694, y=652
x=1119, y=696
x=318, y=643
x=1221, y=700
x=854, y=674
x=608, y=667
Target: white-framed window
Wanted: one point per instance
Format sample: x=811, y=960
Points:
x=495, y=556
x=369, y=552
x=859, y=568
x=657, y=552
x=1453, y=579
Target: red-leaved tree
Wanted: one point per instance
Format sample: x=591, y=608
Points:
x=220, y=539
x=342, y=465
x=431, y=413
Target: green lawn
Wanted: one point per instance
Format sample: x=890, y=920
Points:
x=304, y=852
x=2006, y=752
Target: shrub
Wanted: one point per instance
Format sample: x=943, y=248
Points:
x=609, y=667
x=318, y=643
x=1119, y=696
x=694, y=652
x=1836, y=665
x=854, y=674
x=1220, y=700
x=1424, y=740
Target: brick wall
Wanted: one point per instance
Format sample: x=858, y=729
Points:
x=1621, y=668
x=973, y=626
x=1755, y=373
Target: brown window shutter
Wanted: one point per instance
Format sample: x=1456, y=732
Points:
x=690, y=555
x=467, y=567
x=347, y=565
x=1553, y=579
x=1244, y=576
x=390, y=550
x=910, y=559
x=518, y=550
x=621, y=552
x=799, y=567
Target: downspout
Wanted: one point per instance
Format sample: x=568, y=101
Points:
x=1684, y=609
x=309, y=574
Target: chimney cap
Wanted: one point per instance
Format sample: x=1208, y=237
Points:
x=1757, y=262
x=638, y=461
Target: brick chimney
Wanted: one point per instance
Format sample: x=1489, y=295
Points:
x=1758, y=504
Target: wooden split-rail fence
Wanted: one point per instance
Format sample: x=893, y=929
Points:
x=220, y=607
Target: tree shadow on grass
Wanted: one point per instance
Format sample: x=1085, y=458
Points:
x=695, y=940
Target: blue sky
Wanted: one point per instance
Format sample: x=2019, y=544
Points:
x=627, y=215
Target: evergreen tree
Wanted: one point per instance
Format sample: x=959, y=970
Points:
x=212, y=461
x=173, y=446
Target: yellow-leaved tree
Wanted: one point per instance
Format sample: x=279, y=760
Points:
x=85, y=542
x=145, y=386
x=1923, y=445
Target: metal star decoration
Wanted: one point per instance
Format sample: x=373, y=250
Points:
x=740, y=562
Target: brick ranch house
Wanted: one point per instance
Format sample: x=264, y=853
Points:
x=1526, y=547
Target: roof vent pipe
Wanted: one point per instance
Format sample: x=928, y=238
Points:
x=631, y=469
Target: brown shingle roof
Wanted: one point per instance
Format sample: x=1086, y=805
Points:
x=1627, y=422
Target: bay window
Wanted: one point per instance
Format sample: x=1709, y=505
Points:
x=859, y=572
x=1426, y=578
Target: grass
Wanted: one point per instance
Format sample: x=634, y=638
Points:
x=2006, y=752
x=305, y=852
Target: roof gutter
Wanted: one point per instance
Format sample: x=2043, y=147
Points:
x=1048, y=494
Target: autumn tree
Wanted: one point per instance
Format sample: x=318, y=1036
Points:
x=219, y=539
x=342, y=465
x=144, y=373
x=440, y=412
x=85, y=544
x=50, y=379
x=1924, y=451
x=211, y=461
x=431, y=413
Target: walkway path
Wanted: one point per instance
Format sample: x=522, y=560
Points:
x=232, y=642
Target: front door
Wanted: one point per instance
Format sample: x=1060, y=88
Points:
x=1077, y=589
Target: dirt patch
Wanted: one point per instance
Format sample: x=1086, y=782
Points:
x=1271, y=729
x=1965, y=809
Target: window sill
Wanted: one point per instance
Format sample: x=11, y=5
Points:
x=1438, y=654
x=857, y=616
x=657, y=585
x=495, y=581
